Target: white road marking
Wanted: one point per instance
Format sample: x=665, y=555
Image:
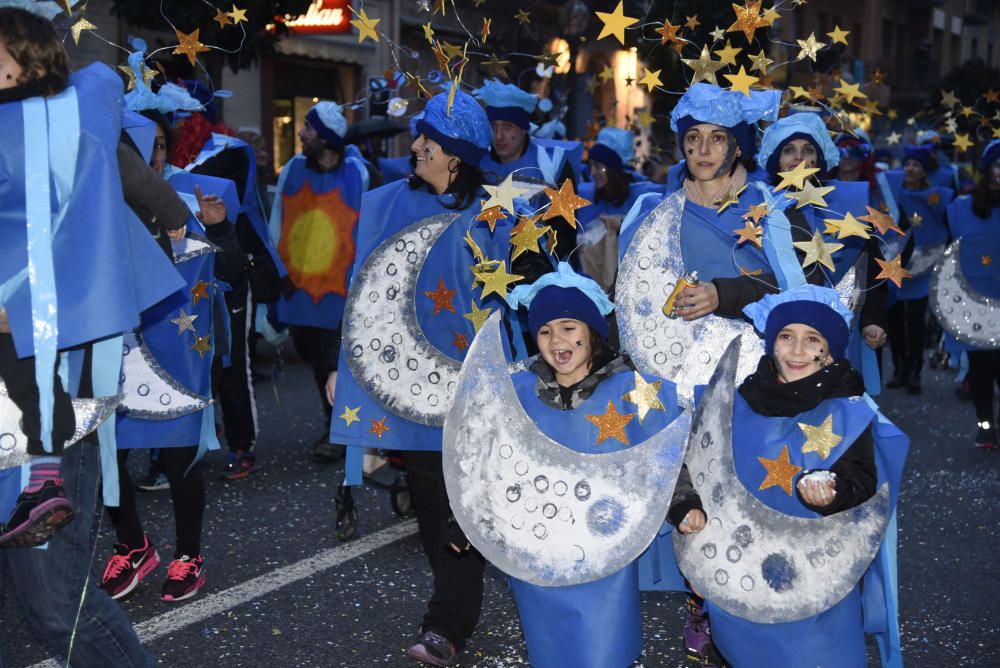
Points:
x=219, y=602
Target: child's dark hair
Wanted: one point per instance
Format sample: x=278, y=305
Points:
x=33, y=44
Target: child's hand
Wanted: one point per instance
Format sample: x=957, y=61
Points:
x=693, y=522
x=331, y=386
x=816, y=492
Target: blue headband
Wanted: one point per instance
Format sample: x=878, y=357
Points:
x=335, y=141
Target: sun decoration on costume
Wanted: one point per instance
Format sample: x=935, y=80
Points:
x=317, y=241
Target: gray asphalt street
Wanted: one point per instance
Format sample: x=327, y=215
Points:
x=282, y=591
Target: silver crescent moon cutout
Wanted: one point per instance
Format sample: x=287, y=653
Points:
x=681, y=351
x=751, y=560
x=924, y=259
x=150, y=392
x=972, y=318
x=89, y=414
x=191, y=246
x=536, y=509
x=385, y=348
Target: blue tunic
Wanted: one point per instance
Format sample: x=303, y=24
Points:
x=925, y=212
x=597, y=624
x=542, y=160
x=315, y=216
x=394, y=169
x=589, y=217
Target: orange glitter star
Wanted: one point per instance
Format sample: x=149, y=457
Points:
x=892, y=270
x=378, y=428
x=749, y=232
x=780, y=472
x=461, y=342
x=491, y=215
x=565, y=202
x=199, y=291
x=882, y=221
x=189, y=45
x=441, y=297
x=611, y=424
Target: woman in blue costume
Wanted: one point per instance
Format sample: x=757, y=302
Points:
x=975, y=219
x=717, y=134
x=803, y=388
x=94, y=276
x=922, y=214
x=612, y=192
x=574, y=379
x=452, y=140
x=802, y=138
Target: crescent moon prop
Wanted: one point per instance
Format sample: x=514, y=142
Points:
x=89, y=413
x=681, y=351
x=970, y=317
x=538, y=510
x=191, y=246
x=150, y=392
x=924, y=259
x=751, y=560
x=386, y=350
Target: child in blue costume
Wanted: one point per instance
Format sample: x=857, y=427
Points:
x=975, y=219
x=717, y=134
x=803, y=382
x=446, y=180
x=803, y=138
x=612, y=193
x=315, y=220
x=922, y=214
x=575, y=378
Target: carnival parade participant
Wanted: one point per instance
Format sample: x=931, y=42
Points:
x=805, y=444
x=70, y=130
x=568, y=389
x=922, y=209
x=975, y=221
x=445, y=189
x=612, y=193
x=314, y=219
x=802, y=139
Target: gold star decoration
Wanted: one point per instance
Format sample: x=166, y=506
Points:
x=821, y=439
x=796, y=177
x=849, y=91
x=238, y=15
x=799, y=91
x=611, y=424
x=838, y=36
x=728, y=53
x=523, y=17
x=199, y=291
x=916, y=220
x=645, y=396
x=350, y=415
x=741, y=81
x=704, y=67
x=967, y=111
x=78, y=28
x=809, y=47
x=189, y=45
x=651, y=79
x=525, y=235
x=691, y=22
x=948, y=98
x=606, y=74
x=992, y=96
x=564, y=202
x=202, y=344
x=893, y=138
x=760, y=63
x=769, y=16
x=718, y=34
x=728, y=198
x=934, y=198
x=484, y=32
x=496, y=281
x=460, y=341
x=184, y=322
x=810, y=194
x=645, y=118
x=379, y=427
x=986, y=260
x=882, y=221
x=366, y=29
x=817, y=250
x=756, y=212
x=477, y=316
x=962, y=142
x=222, y=18
x=747, y=19
x=668, y=32
x=849, y=226
x=496, y=67
x=749, y=232
x=127, y=71
x=503, y=195
x=428, y=33
x=996, y=133
x=615, y=23
x=491, y=215
x=441, y=297
x=780, y=472
x=892, y=270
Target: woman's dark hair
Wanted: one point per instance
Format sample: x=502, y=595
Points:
x=33, y=44
x=982, y=196
x=164, y=123
x=464, y=187
x=616, y=190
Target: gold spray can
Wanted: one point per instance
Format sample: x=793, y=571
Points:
x=688, y=280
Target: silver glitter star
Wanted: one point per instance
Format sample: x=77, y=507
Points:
x=184, y=322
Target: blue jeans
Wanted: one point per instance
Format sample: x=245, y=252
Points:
x=48, y=583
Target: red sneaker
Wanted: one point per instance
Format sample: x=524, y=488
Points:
x=126, y=568
x=185, y=578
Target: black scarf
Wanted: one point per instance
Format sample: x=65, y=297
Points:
x=770, y=397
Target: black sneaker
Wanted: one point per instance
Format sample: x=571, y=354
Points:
x=37, y=516
x=986, y=437
x=434, y=649
x=185, y=578
x=155, y=480
x=239, y=465
x=324, y=452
